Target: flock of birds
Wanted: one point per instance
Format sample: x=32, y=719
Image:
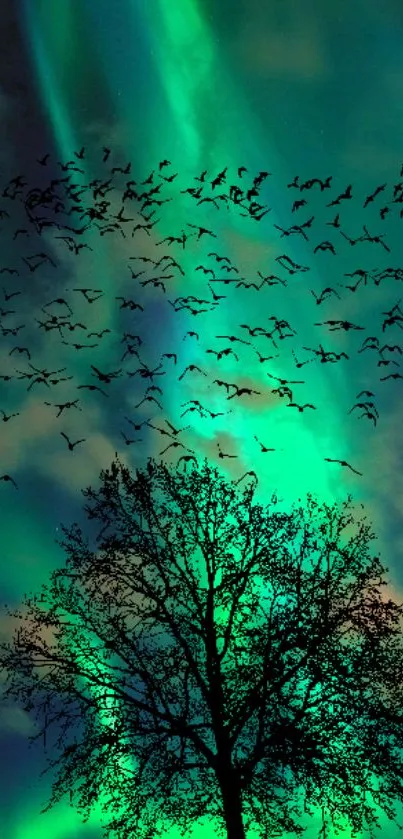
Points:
x=68, y=209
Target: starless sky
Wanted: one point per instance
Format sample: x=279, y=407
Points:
x=310, y=89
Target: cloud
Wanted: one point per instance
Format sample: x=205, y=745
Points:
x=76, y=470
x=15, y=720
x=299, y=55
x=361, y=158
x=33, y=426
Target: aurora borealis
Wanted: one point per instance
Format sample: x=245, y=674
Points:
x=288, y=88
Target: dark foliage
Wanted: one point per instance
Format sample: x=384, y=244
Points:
x=210, y=656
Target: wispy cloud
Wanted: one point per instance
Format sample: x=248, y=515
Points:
x=299, y=55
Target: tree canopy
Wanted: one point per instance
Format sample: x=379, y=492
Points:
x=203, y=654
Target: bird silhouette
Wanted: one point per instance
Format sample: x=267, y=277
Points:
x=92, y=388
x=9, y=295
x=67, y=195
x=371, y=197
x=170, y=355
x=244, y=284
x=220, y=258
x=222, y=454
x=43, y=160
x=372, y=415
x=343, y=196
x=335, y=222
x=286, y=381
x=271, y=279
x=9, y=479
x=191, y=334
x=352, y=242
x=128, y=441
x=263, y=448
x=391, y=348
x=190, y=368
x=105, y=377
x=202, y=231
x=377, y=239
x=262, y=358
x=299, y=364
x=233, y=339
x=394, y=308
x=129, y=304
x=325, y=246
x=205, y=270
x=186, y=458
x=215, y=296
x=390, y=321
x=175, y=444
x=324, y=294
x=64, y=405
x=363, y=405
x=85, y=291
x=220, y=383
x=149, y=399
x=283, y=390
x=21, y=350
x=98, y=334
x=342, y=463
x=297, y=204
x=80, y=346
x=339, y=324
x=241, y=390
x=7, y=417
x=370, y=343
x=71, y=445
x=301, y=408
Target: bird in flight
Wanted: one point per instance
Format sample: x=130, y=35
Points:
x=263, y=448
x=247, y=198
x=9, y=479
x=342, y=463
x=105, y=377
x=222, y=454
x=300, y=407
x=7, y=417
x=324, y=294
x=241, y=390
x=21, y=350
x=219, y=258
x=202, y=230
x=176, y=431
x=325, y=246
x=186, y=459
x=175, y=444
x=391, y=376
x=69, y=443
x=286, y=381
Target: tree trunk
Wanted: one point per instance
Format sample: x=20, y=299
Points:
x=232, y=804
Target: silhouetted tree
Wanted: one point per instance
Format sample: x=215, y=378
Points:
x=218, y=657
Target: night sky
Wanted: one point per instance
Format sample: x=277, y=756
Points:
x=286, y=88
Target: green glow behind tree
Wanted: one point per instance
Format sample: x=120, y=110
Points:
x=219, y=658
